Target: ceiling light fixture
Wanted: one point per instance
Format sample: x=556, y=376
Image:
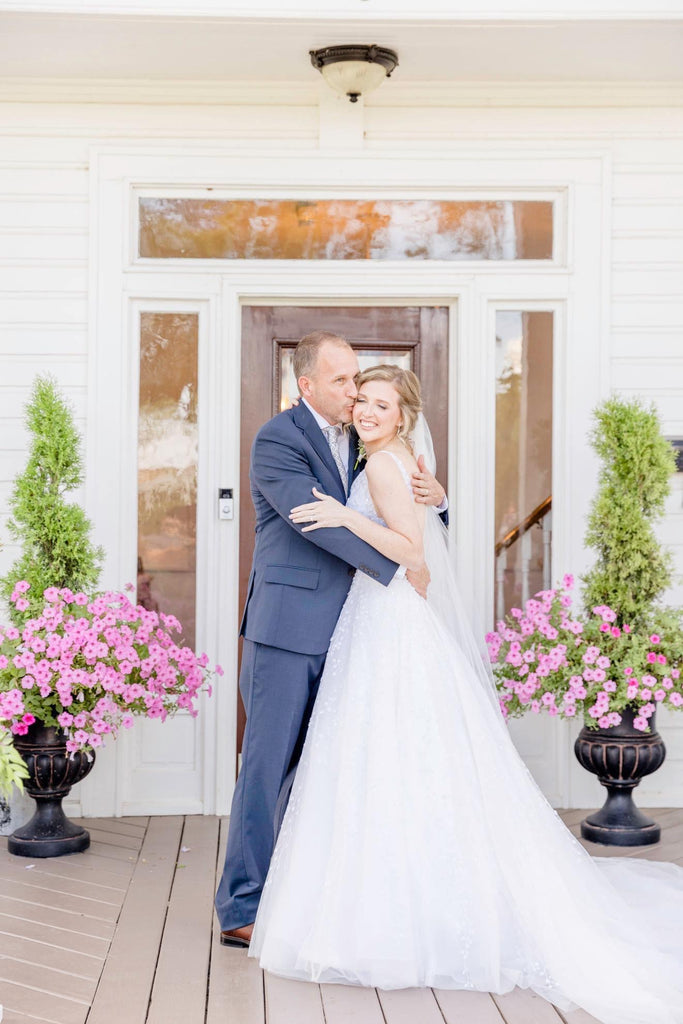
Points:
x=354, y=70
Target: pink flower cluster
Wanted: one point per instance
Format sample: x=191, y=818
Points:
x=545, y=659
x=90, y=664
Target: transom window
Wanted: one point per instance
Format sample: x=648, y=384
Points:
x=345, y=229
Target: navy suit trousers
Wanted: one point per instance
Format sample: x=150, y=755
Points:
x=278, y=689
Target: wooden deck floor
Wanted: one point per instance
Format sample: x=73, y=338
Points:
x=125, y=934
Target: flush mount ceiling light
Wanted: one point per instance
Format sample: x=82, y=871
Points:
x=352, y=70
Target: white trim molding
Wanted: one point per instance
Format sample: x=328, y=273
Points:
x=454, y=93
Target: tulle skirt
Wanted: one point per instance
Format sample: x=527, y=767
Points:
x=417, y=849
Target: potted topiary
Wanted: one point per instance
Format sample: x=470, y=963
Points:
x=75, y=666
x=620, y=657
x=53, y=533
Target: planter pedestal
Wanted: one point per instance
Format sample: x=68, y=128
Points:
x=620, y=756
x=52, y=773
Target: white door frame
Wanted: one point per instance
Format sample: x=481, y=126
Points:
x=576, y=279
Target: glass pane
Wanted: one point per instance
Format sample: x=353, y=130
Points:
x=524, y=423
x=366, y=357
x=345, y=229
x=167, y=466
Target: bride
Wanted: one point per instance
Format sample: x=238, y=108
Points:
x=416, y=849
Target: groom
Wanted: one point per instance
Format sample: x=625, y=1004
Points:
x=296, y=589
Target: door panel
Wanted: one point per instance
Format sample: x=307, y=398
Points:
x=413, y=334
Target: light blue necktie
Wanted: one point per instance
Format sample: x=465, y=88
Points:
x=332, y=433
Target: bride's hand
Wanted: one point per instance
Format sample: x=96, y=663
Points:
x=321, y=514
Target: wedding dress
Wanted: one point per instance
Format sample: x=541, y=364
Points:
x=418, y=851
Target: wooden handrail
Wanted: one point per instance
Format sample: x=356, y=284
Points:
x=517, y=531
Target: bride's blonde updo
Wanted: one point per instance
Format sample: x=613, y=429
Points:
x=406, y=386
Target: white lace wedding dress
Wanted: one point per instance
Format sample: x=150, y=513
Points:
x=418, y=851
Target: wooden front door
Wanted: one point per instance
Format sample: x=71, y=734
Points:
x=412, y=336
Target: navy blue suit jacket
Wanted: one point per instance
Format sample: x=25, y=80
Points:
x=299, y=582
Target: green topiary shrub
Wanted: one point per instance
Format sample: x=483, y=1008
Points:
x=54, y=534
x=632, y=570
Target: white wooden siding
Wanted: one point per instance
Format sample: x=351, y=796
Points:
x=44, y=215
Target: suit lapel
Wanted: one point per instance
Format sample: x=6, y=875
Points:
x=307, y=424
x=354, y=467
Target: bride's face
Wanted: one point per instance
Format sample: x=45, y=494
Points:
x=377, y=413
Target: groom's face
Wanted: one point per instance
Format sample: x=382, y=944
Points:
x=331, y=388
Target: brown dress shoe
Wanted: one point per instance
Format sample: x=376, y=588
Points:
x=239, y=937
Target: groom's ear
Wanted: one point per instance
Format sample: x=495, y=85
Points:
x=304, y=385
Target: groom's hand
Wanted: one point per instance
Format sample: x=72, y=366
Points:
x=426, y=488
x=419, y=580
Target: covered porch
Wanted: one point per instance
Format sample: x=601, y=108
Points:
x=125, y=934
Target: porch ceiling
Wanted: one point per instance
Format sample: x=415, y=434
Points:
x=104, y=46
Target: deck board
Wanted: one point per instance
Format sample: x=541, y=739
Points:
x=125, y=932
x=408, y=1005
x=236, y=986
x=59, y=983
x=182, y=971
x=293, y=1002
x=467, y=1007
x=43, y=915
x=348, y=1004
x=86, y=865
x=61, y=939
x=21, y=1000
x=522, y=1006
x=43, y=954
x=91, y=886
x=65, y=902
x=126, y=982
x=577, y=1017
x=115, y=826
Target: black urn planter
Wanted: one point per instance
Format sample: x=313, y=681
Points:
x=620, y=756
x=52, y=773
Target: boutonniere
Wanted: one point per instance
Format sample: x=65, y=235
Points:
x=362, y=454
